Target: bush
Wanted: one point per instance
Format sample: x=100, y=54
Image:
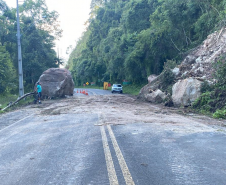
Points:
x=220, y=68
x=203, y=100
x=205, y=87
x=220, y=114
x=167, y=79
x=170, y=64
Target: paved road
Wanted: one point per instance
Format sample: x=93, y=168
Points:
x=92, y=92
x=80, y=149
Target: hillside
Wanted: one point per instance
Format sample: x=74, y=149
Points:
x=130, y=40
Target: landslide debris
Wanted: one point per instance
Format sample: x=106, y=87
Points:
x=199, y=65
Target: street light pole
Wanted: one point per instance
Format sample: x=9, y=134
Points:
x=20, y=68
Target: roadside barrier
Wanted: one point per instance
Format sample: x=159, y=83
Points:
x=85, y=92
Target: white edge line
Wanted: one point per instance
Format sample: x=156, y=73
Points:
x=15, y=123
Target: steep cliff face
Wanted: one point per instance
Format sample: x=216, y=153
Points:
x=196, y=67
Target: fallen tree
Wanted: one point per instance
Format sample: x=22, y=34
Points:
x=18, y=100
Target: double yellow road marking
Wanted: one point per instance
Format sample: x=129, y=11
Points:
x=110, y=165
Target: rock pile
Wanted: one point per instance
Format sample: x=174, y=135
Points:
x=196, y=68
x=199, y=63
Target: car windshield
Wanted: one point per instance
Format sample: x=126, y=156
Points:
x=117, y=85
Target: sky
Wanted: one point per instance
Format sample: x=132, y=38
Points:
x=73, y=15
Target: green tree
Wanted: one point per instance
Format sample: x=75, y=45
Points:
x=7, y=71
x=133, y=39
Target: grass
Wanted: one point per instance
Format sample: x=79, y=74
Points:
x=88, y=87
x=6, y=99
x=132, y=89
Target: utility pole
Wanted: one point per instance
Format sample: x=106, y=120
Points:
x=20, y=68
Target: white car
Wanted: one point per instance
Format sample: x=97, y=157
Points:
x=116, y=88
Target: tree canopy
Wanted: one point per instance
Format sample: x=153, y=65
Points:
x=133, y=39
x=39, y=29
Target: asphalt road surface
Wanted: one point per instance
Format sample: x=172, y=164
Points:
x=92, y=92
x=103, y=139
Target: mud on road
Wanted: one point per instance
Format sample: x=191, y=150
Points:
x=119, y=110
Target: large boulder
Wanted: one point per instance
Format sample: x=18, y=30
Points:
x=156, y=96
x=56, y=82
x=186, y=91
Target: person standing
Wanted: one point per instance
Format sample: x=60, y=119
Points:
x=39, y=91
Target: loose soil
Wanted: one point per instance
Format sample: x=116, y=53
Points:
x=119, y=110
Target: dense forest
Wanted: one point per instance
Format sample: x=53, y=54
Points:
x=132, y=39
x=39, y=29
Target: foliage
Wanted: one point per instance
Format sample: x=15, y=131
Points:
x=213, y=99
x=220, y=68
x=7, y=71
x=206, y=87
x=5, y=99
x=132, y=89
x=220, y=114
x=203, y=102
x=39, y=29
x=133, y=39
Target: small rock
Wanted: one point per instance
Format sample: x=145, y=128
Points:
x=143, y=164
x=151, y=78
x=176, y=71
x=156, y=96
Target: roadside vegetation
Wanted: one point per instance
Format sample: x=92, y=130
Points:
x=213, y=98
x=6, y=99
x=130, y=40
x=39, y=29
x=132, y=89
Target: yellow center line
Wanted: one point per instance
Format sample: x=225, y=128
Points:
x=109, y=162
x=125, y=170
